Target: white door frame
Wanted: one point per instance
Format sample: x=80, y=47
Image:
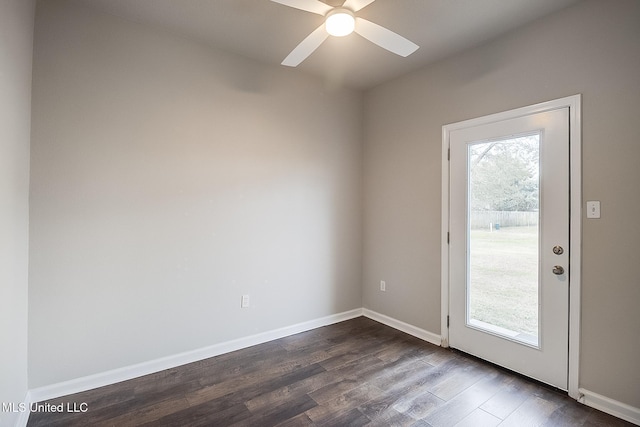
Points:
x=575, y=226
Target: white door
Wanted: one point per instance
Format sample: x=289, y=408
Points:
x=509, y=242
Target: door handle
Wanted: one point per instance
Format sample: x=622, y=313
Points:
x=558, y=269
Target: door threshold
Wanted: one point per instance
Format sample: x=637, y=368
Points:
x=510, y=371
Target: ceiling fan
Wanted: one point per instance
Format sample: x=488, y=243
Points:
x=341, y=21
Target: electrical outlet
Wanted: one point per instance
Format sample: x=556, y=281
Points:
x=245, y=301
x=383, y=286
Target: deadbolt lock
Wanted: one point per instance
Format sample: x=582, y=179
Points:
x=558, y=250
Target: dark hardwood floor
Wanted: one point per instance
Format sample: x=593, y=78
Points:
x=353, y=373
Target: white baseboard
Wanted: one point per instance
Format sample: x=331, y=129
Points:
x=134, y=371
x=102, y=379
x=597, y=401
x=23, y=418
x=610, y=406
x=404, y=327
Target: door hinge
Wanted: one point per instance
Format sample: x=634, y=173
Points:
x=447, y=237
x=447, y=320
x=448, y=153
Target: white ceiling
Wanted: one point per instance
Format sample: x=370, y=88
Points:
x=268, y=31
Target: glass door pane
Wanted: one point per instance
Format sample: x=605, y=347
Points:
x=503, y=238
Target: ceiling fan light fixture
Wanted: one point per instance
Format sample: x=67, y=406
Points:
x=340, y=23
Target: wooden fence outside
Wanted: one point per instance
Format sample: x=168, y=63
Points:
x=487, y=219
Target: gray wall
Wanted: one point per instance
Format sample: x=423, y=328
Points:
x=168, y=179
x=592, y=48
x=16, y=48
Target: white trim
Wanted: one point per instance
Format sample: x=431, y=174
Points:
x=610, y=406
x=575, y=240
x=133, y=371
x=444, y=250
x=569, y=101
x=402, y=326
x=23, y=418
x=594, y=400
x=575, y=128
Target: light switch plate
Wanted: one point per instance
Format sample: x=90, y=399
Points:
x=593, y=209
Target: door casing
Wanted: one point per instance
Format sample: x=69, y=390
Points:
x=575, y=218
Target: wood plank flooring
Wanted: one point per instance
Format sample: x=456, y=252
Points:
x=353, y=373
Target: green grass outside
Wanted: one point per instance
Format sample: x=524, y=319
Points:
x=504, y=278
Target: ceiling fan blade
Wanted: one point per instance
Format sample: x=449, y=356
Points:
x=313, y=6
x=306, y=47
x=356, y=5
x=385, y=38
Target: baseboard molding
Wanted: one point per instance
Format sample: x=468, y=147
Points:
x=23, y=418
x=610, y=406
x=404, y=327
x=134, y=371
x=594, y=400
x=102, y=379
